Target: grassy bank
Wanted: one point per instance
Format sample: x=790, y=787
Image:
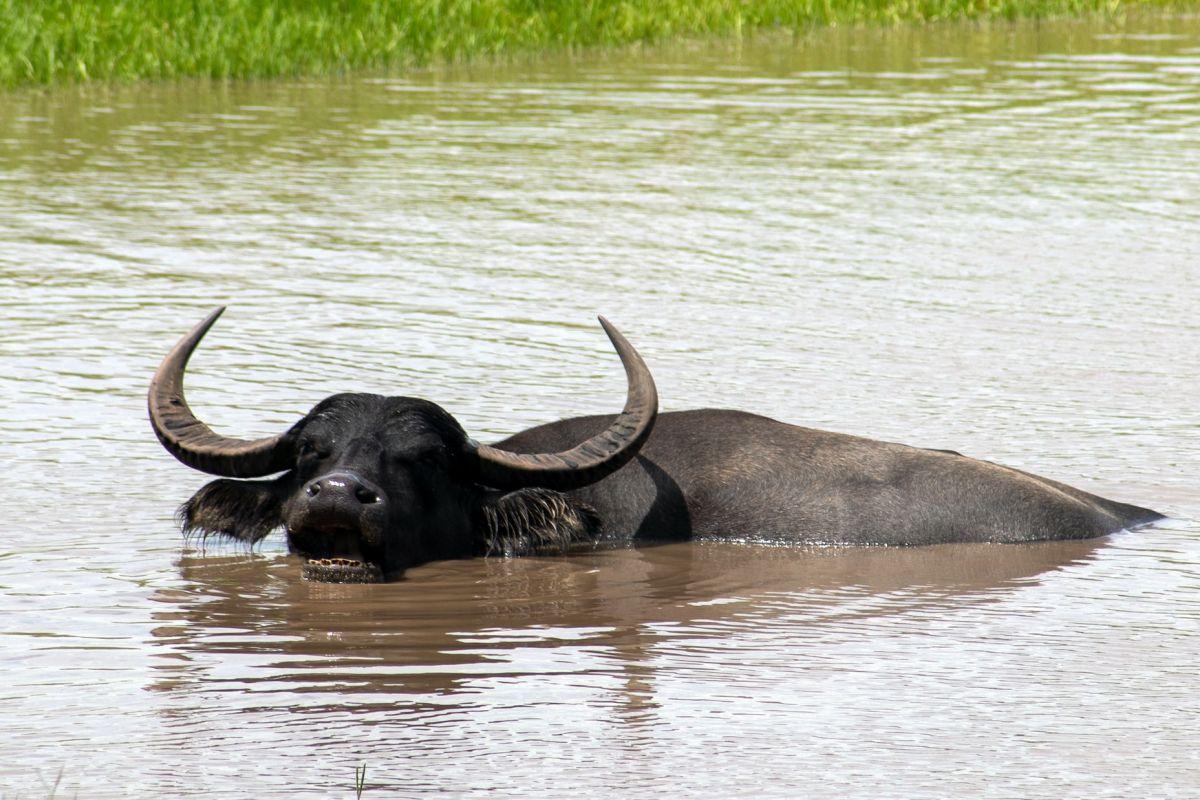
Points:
x=49, y=41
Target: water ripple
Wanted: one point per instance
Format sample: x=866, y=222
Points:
x=972, y=237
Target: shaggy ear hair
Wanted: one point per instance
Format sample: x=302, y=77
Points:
x=246, y=510
x=530, y=521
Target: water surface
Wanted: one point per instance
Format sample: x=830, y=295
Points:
x=981, y=238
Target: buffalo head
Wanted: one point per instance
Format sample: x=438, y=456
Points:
x=368, y=485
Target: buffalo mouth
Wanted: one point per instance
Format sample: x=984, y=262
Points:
x=336, y=555
x=341, y=570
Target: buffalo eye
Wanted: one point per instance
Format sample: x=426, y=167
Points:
x=310, y=448
x=431, y=458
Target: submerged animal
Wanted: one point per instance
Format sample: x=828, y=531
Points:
x=366, y=486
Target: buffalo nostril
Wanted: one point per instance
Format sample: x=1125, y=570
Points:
x=365, y=495
x=313, y=489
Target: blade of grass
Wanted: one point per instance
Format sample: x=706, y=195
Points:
x=360, y=780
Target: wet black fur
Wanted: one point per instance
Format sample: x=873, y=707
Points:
x=244, y=510
x=701, y=474
x=532, y=521
x=524, y=522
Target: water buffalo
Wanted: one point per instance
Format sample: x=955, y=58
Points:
x=370, y=485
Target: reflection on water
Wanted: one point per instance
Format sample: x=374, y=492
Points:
x=980, y=238
x=423, y=634
x=472, y=644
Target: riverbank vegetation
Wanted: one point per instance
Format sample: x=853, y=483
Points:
x=53, y=41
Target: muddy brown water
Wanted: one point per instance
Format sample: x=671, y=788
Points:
x=981, y=238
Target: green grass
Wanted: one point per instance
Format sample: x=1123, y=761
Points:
x=54, y=41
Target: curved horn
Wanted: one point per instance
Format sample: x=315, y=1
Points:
x=594, y=459
x=189, y=439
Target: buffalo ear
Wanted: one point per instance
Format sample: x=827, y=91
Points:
x=246, y=510
x=530, y=521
